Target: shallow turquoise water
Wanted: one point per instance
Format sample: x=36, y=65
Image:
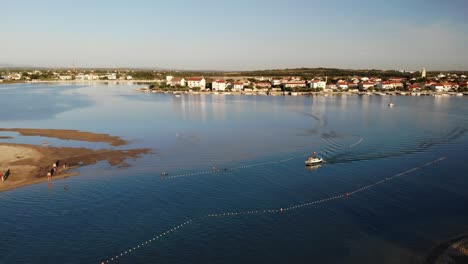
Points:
x=261, y=141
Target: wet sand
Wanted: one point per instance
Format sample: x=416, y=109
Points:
x=68, y=134
x=29, y=164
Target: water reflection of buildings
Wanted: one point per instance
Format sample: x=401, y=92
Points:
x=200, y=107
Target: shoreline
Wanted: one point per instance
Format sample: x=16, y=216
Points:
x=29, y=164
x=448, y=249
x=281, y=93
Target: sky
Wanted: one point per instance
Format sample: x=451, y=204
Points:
x=236, y=35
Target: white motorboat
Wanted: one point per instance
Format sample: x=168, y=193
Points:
x=313, y=161
x=391, y=105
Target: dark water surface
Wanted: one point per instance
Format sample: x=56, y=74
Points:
x=262, y=143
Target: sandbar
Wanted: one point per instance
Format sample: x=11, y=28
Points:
x=29, y=164
x=68, y=134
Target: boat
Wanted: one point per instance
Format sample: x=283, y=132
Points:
x=313, y=161
x=177, y=95
x=391, y=105
x=459, y=94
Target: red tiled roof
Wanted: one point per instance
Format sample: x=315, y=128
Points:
x=296, y=82
x=195, y=79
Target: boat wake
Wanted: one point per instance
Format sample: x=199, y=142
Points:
x=338, y=153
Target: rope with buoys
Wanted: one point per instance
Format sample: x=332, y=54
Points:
x=165, y=175
x=268, y=211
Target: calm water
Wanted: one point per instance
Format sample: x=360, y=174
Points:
x=107, y=211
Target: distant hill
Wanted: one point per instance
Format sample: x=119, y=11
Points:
x=15, y=66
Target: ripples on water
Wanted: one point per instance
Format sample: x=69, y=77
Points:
x=262, y=142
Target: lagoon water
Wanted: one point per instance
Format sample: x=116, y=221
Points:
x=262, y=142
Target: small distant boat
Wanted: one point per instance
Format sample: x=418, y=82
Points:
x=313, y=160
x=177, y=95
x=391, y=105
x=459, y=94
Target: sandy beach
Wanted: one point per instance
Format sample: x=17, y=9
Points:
x=29, y=164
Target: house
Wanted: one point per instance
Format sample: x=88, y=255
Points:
x=438, y=87
x=262, y=85
x=176, y=81
x=385, y=85
x=238, y=86
x=414, y=87
x=15, y=76
x=219, y=85
x=275, y=82
x=79, y=77
x=111, y=76
x=389, y=85
x=366, y=85
x=449, y=86
x=316, y=84
x=294, y=84
x=342, y=85
x=331, y=86
x=65, y=77
x=86, y=77
x=193, y=82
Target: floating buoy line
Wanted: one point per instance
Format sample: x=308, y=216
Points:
x=278, y=210
x=214, y=170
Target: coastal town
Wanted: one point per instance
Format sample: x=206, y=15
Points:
x=403, y=83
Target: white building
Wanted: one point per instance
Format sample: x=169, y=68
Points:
x=219, y=85
x=389, y=85
x=111, y=76
x=294, y=84
x=65, y=77
x=238, y=86
x=173, y=81
x=366, y=85
x=438, y=87
x=193, y=82
x=342, y=85
x=423, y=73
x=315, y=84
x=276, y=82
x=15, y=76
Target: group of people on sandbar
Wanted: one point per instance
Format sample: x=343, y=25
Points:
x=54, y=169
x=5, y=176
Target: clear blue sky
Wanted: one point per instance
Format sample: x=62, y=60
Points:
x=209, y=34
